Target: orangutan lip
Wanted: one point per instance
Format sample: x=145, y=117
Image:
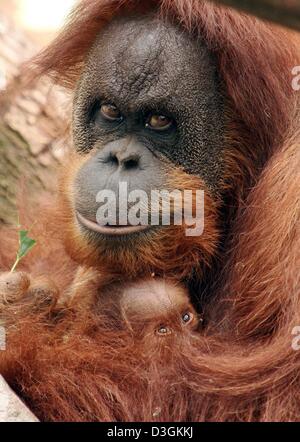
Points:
x=109, y=230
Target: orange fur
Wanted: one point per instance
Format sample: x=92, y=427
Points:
x=76, y=365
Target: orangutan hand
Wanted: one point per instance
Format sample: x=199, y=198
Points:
x=17, y=288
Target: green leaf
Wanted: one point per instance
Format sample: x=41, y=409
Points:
x=25, y=245
x=25, y=242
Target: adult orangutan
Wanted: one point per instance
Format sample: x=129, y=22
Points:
x=175, y=95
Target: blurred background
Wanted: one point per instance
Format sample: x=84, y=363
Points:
x=39, y=18
x=33, y=122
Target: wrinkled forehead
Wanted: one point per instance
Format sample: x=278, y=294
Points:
x=146, y=57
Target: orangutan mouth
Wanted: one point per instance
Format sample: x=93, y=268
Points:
x=115, y=230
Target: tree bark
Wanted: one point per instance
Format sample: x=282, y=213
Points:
x=32, y=126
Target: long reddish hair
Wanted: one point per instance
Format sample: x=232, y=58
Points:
x=242, y=366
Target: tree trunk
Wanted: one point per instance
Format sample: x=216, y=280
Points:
x=32, y=126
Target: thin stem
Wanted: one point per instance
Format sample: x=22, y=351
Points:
x=15, y=265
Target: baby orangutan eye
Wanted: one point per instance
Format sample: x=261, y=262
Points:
x=163, y=331
x=187, y=317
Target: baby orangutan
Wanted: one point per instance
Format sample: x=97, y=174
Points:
x=157, y=305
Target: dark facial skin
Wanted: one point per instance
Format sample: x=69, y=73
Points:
x=149, y=99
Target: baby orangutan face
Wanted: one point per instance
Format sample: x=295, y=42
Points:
x=152, y=305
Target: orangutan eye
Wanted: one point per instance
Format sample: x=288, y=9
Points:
x=110, y=112
x=159, y=122
x=163, y=330
x=187, y=317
